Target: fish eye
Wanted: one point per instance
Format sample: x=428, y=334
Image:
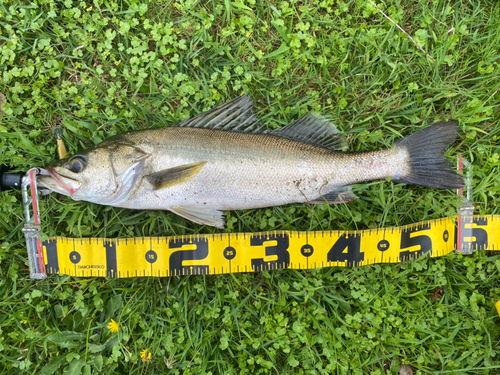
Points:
x=77, y=164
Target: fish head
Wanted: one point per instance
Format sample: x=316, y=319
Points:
x=106, y=174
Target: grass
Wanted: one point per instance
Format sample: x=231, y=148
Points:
x=103, y=68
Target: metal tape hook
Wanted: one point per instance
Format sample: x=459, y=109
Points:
x=465, y=210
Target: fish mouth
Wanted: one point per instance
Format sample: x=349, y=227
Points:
x=59, y=179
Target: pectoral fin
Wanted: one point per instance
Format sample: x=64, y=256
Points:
x=174, y=176
x=201, y=215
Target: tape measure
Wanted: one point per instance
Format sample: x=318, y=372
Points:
x=213, y=254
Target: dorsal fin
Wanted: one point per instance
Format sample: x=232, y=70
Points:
x=314, y=129
x=235, y=115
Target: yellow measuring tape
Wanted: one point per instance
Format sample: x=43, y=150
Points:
x=211, y=254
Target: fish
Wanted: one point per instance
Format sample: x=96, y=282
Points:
x=226, y=159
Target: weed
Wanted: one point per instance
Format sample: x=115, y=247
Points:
x=104, y=67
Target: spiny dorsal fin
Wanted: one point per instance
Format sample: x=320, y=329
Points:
x=314, y=129
x=235, y=115
x=174, y=176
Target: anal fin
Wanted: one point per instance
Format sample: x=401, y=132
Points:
x=340, y=195
x=201, y=215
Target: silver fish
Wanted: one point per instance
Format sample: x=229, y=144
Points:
x=225, y=159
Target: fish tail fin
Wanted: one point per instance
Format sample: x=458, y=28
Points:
x=425, y=161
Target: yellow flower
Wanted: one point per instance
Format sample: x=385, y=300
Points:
x=113, y=326
x=145, y=355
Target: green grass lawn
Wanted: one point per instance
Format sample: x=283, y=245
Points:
x=106, y=67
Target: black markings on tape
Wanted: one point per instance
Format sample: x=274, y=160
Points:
x=474, y=238
x=111, y=268
x=307, y=250
x=347, y=249
x=177, y=257
x=229, y=253
x=383, y=245
x=75, y=257
x=410, y=239
x=280, y=249
x=446, y=236
x=151, y=256
x=52, y=265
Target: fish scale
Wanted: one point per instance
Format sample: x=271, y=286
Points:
x=250, y=170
